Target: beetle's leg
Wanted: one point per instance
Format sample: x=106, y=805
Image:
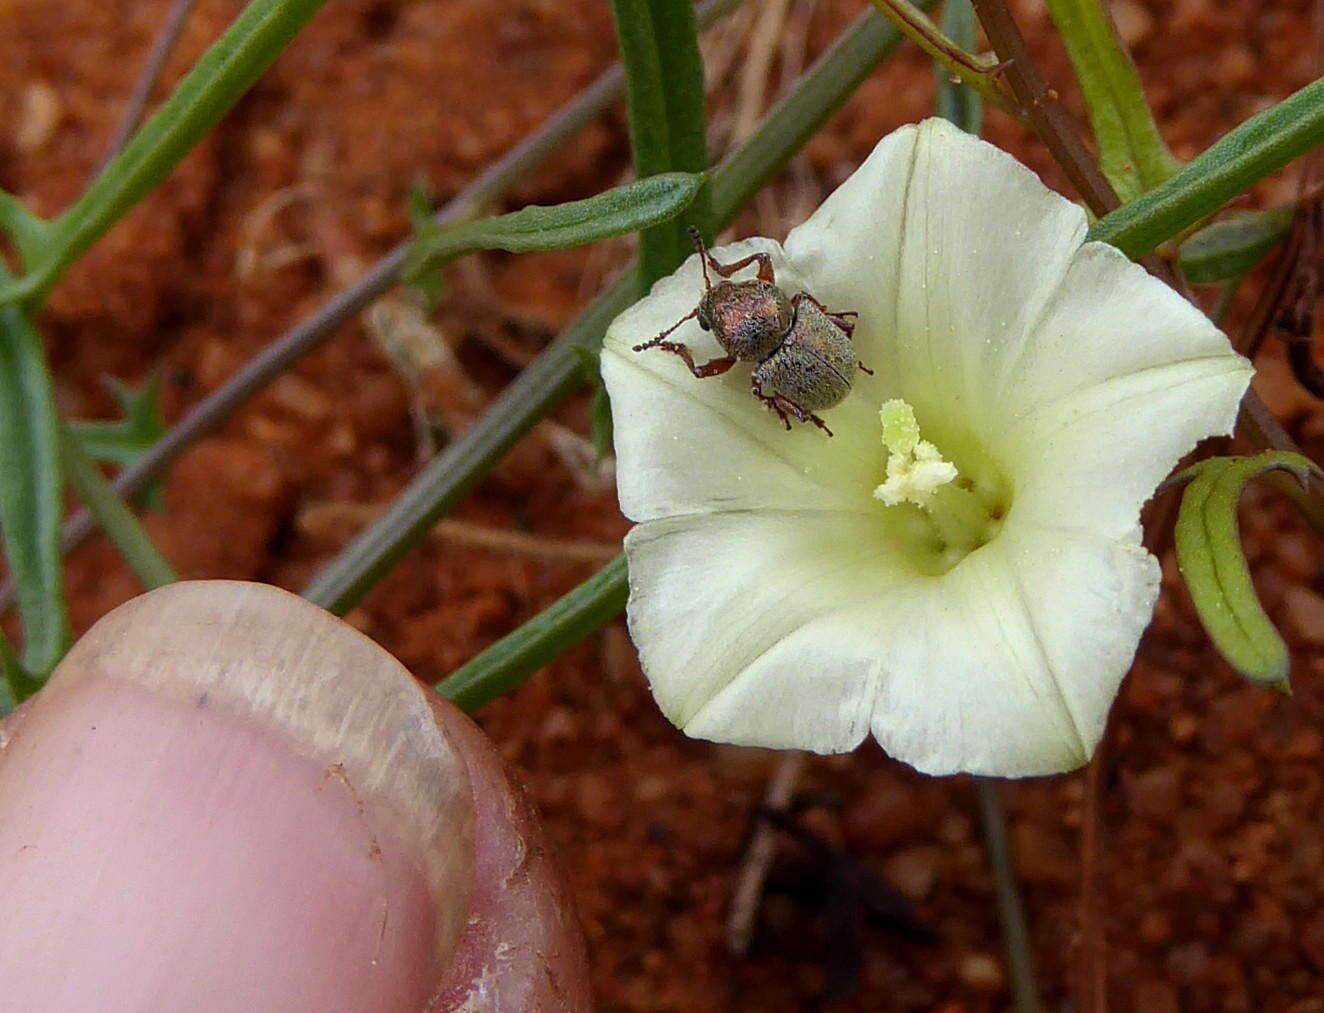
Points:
x=707, y=260
x=785, y=404
x=713, y=367
x=762, y=259
x=770, y=402
x=845, y=320
x=659, y=339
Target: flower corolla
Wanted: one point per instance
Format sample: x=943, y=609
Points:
x=959, y=568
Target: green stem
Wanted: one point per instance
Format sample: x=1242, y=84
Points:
x=1132, y=153
x=113, y=515
x=227, y=70
x=1260, y=146
x=558, y=371
x=511, y=660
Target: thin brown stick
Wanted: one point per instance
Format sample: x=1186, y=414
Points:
x=164, y=45
x=759, y=855
x=1045, y=113
x=345, y=520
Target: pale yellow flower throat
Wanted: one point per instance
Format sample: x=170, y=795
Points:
x=917, y=473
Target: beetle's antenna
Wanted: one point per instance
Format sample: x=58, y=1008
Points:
x=703, y=254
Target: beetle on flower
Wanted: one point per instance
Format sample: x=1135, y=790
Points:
x=960, y=570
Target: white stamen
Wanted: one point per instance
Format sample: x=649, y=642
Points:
x=915, y=468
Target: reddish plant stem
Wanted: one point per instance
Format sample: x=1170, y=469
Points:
x=1045, y=113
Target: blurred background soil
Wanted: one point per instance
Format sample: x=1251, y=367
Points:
x=1212, y=867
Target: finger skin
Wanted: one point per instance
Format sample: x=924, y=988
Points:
x=523, y=949
x=157, y=856
x=228, y=799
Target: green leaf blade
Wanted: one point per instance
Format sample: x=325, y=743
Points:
x=1214, y=567
x=217, y=81
x=31, y=488
x=536, y=229
x=114, y=516
x=1132, y=153
x=1259, y=146
x=515, y=657
x=677, y=39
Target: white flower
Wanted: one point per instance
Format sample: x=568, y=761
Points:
x=973, y=595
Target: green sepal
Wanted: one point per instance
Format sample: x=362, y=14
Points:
x=535, y=229
x=1214, y=566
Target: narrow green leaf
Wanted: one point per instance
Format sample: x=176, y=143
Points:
x=512, y=659
x=1230, y=247
x=113, y=516
x=1131, y=150
x=676, y=36
x=955, y=101
x=26, y=230
x=30, y=490
x=533, y=229
x=428, y=285
x=646, y=109
x=216, y=82
x=1260, y=146
x=659, y=48
x=1214, y=567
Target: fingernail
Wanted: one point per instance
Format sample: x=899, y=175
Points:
x=228, y=798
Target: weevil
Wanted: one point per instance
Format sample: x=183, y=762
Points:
x=805, y=359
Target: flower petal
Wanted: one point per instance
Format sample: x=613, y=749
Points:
x=949, y=249
x=1011, y=660
x=686, y=445
x=733, y=617
x=1120, y=378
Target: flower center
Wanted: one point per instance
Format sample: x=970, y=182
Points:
x=960, y=517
